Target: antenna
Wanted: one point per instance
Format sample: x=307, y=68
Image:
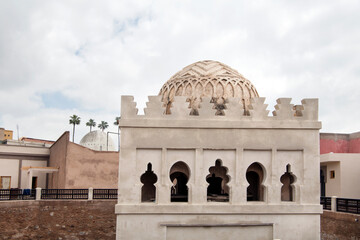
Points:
x=17, y=128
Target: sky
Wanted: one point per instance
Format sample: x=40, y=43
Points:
x=59, y=58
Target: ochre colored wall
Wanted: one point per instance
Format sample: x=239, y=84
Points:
x=88, y=168
x=80, y=167
x=58, y=153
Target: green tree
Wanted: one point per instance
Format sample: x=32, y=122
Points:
x=116, y=123
x=103, y=125
x=74, y=120
x=91, y=123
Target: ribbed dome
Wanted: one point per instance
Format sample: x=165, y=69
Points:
x=97, y=140
x=208, y=79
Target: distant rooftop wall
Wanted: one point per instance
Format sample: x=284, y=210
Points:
x=339, y=143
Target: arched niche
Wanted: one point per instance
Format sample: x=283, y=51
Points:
x=287, y=189
x=218, y=190
x=255, y=175
x=148, y=190
x=179, y=176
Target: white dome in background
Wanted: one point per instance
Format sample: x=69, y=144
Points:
x=97, y=140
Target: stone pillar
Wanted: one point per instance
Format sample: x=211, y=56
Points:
x=163, y=189
x=198, y=189
x=91, y=193
x=333, y=203
x=38, y=194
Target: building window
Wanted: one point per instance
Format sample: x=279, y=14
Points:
x=218, y=190
x=179, y=176
x=332, y=174
x=287, y=179
x=148, y=190
x=255, y=177
x=5, y=182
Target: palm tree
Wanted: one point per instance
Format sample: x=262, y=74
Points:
x=74, y=120
x=91, y=123
x=116, y=123
x=103, y=125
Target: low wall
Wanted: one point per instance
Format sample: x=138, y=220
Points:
x=340, y=226
x=75, y=219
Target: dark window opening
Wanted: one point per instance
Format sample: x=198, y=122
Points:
x=287, y=179
x=255, y=178
x=148, y=190
x=34, y=182
x=218, y=190
x=322, y=183
x=332, y=174
x=179, y=176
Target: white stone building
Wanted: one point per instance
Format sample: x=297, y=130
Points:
x=207, y=162
x=98, y=140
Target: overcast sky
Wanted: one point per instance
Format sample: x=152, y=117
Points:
x=59, y=58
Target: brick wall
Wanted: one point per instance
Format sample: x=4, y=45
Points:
x=57, y=219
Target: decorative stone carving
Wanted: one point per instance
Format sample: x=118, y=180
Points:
x=283, y=109
x=154, y=107
x=234, y=108
x=208, y=79
x=128, y=107
x=258, y=109
x=206, y=108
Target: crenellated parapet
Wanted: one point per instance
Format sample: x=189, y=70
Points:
x=230, y=110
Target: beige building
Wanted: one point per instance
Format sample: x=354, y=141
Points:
x=340, y=165
x=18, y=155
x=207, y=162
x=32, y=163
x=81, y=167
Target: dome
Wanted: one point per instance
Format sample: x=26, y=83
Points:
x=96, y=140
x=208, y=79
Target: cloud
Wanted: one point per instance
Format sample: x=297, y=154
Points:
x=85, y=55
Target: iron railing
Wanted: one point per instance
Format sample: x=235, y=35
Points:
x=326, y=202
x=348, y=205
x=17, y=194
x=64, y=193
x=105, y=194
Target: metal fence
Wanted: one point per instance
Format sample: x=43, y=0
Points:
x=348, y=205
x=17, y=194
x=73, y=194
x=326, y=202
x=64, y=193
x=105, y=194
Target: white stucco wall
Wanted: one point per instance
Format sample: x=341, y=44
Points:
x=41, y=182
x=10, y=167
x=347, y=168
x=239, y=141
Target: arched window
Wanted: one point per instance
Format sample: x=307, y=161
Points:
x=148, y=190
x=179, y=176
x=287, y=189
x=218, y=190
x=255, y=177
